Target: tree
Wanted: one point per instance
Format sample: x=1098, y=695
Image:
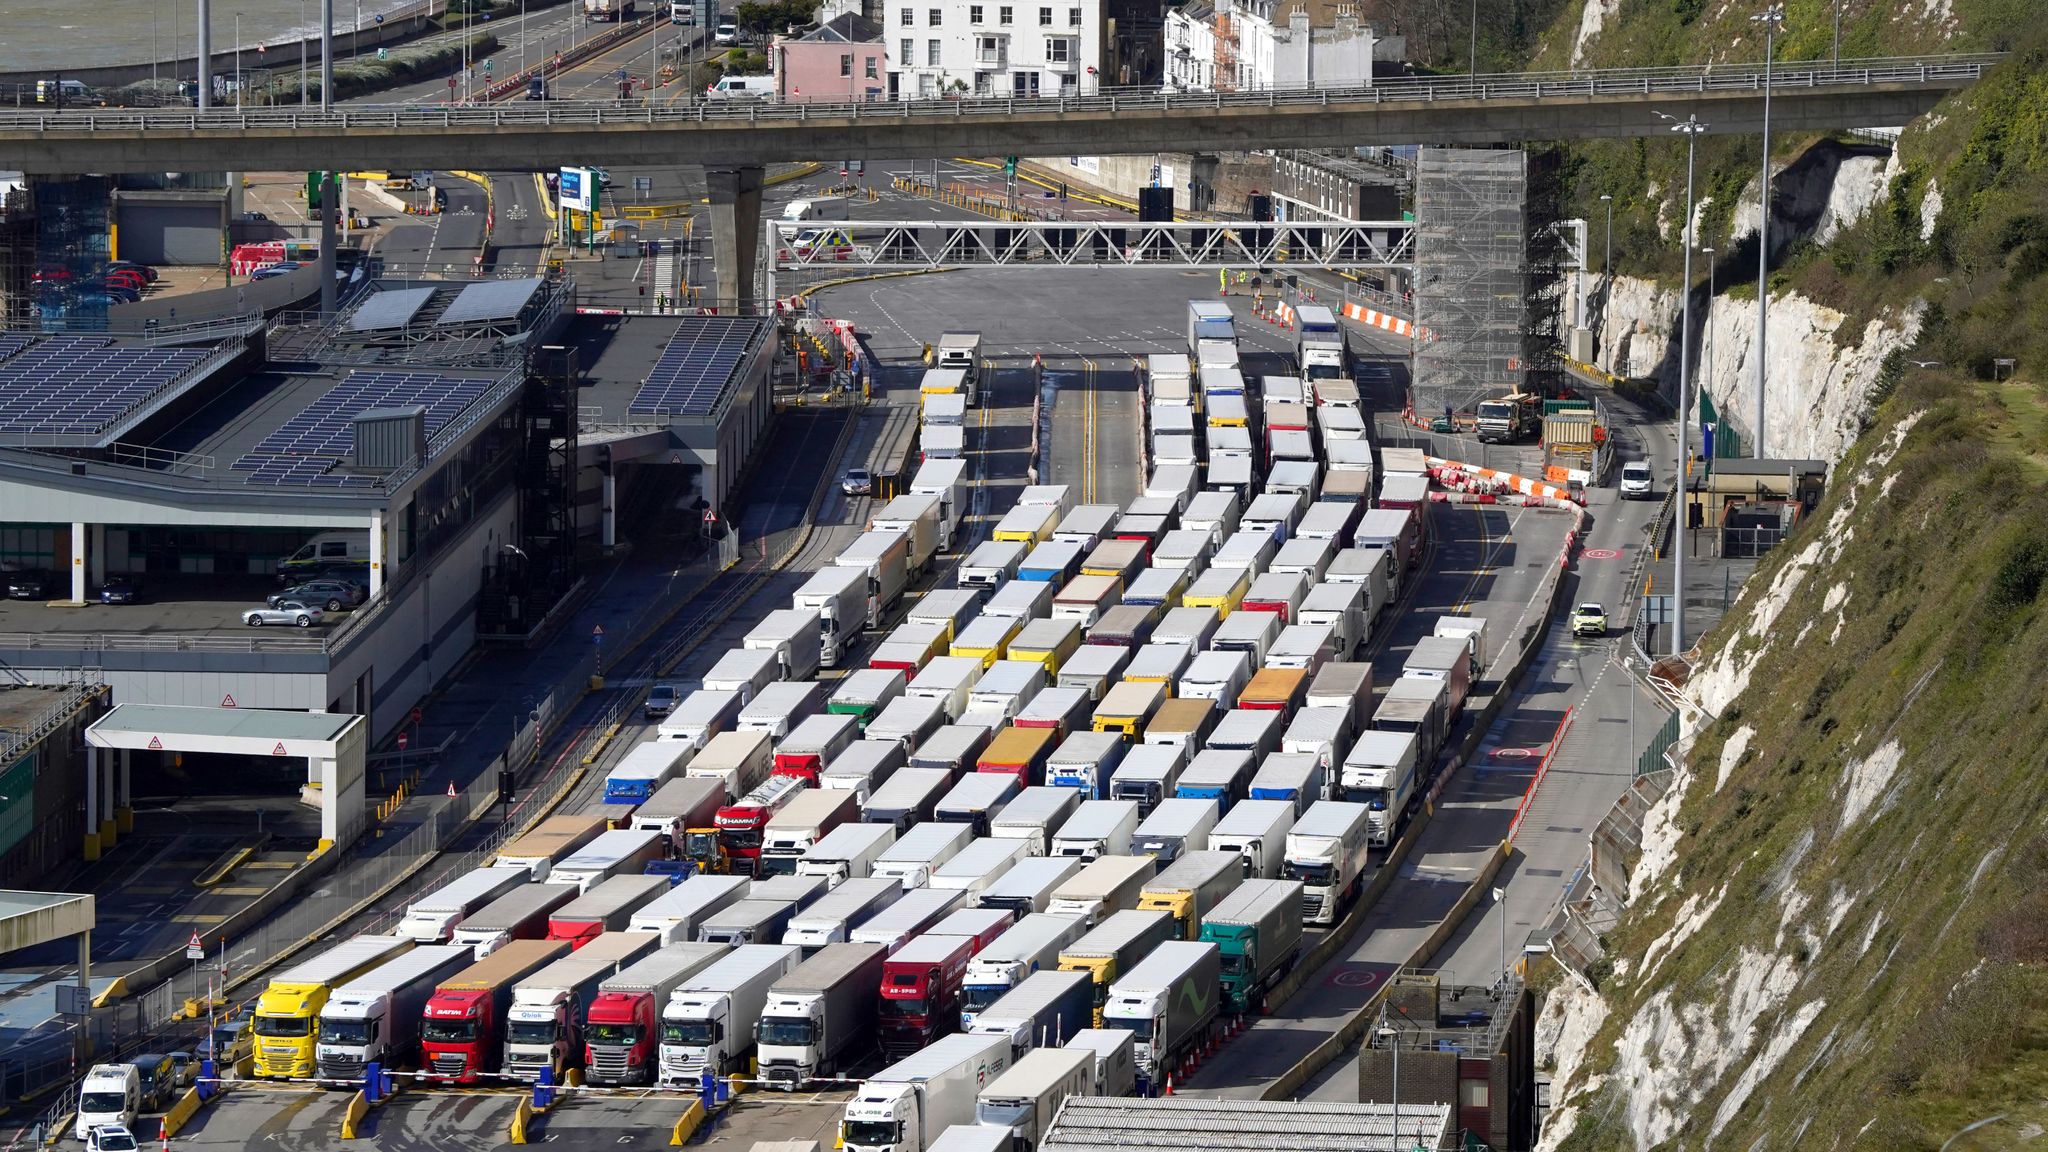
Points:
x=772, y=16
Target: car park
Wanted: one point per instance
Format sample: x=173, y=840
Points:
x=28, y=584
x=284, y=612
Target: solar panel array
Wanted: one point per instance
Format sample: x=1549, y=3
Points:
x=490, y=300
x=10, y=343
x=309, y=445
x=697, y=366
x=386, y=310
x=81, y=385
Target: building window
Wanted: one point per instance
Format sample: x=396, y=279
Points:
x=1024, y=84
x=846, y=63
x=1058, y=50
x=933, y=18
x=1474, y=1094
x=872, y=65
x=1004, y=15
x=1045, y=17
x=1073, y=17
x=909, y=53
x=909, y=18
x=974, y=13
x=931, y=53
x=988, y=50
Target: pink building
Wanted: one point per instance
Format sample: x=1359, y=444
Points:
x=843, y=60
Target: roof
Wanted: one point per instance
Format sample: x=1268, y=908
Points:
x=1103, y=1124
x=1749, y=467
x=247, y=723
x=848, y=28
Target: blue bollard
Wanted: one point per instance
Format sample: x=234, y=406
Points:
x=544, y=1089
x=707, y=1090
x=373, y=1082
x=724, y=1091
x=207, y=1085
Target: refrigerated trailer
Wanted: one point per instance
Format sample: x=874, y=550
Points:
x=1170, y=1000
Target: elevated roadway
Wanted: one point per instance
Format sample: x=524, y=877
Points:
x=733, y=133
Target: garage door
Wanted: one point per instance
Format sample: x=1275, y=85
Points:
x=171, y=233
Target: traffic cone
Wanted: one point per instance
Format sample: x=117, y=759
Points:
x=1169, y=1085
x=451, y=789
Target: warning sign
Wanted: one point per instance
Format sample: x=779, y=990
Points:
x=156, y=742
x=194, y=949
x=278, y=749
x=227, y=701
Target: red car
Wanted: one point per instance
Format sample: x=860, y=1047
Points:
x=128, y=278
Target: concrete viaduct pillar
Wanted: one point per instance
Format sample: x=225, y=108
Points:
x=735, y=233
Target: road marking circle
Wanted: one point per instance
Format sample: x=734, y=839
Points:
x=1513, y=753
x=1601, y=554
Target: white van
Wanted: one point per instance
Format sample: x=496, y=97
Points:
x=111, y=1094
x=743, y=88
x=813, y=208
x=346, y=546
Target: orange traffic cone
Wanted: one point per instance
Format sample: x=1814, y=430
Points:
x=1169, y=1085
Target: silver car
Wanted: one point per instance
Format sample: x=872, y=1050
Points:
x=283, y=612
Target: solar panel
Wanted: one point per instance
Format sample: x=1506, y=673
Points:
x=12, y=343
x=308, y=446
x=697, y=366
x=490, y=300
x=387, y=310
x=81, y=385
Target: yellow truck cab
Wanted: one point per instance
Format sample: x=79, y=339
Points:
x=288, y=1012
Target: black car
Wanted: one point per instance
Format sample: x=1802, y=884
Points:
x=121, y=590
x=29, y=584
x=333, y=595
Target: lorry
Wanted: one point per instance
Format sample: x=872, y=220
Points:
x=462, y=1026
x=1034, y=815
x=1027, y=885
x=1003, y=691
x=1344, y=685
x=1147, y=776
x=752, y=920
x=1472, y=630
x=1220, y=774
x=975, y=867
x=1211, y=329
x=1041, y=1011
x=745, y=671
x=917, y=516
x=1382, y=772
x=1398, y=531
x=1257, y=932
x=946, y=479
x=1115, y=1066
x=743, y=823
x=1506, y=419
x=1420, y=706
x=904, y=1107
x=1027, y=524
x=1093, y=668
x=949, y=680
x=840, y=598
x=1024, y=1100
x=677, y=915
x=1175, y=826
x=819, y=1015
x=1054, y=562
x=961, y=351
x=910, y=917
x=1183, y=723
x=1084, y=763
x=1128, y=707
x=1187, y=888
x=908, y=720
x=1328, y=851
x=911, y=645
x=1170, y=1001
x=619, y=852
x=619, y=11
x=1296, y=778
x=801, y=823
x=832, y=919
x=952, y=749
x=794, y=636
x=865, y=766
x=549, y=841
x=1169, y=378
x=1019, y=754
x=643, y=770
x=544, y=1025
x=1030, y=945
x=1449, y=660
x=907, y=799
x=885, y=558
x=622, y=1025
x=1097, y=828
x=521, y=914
x=1049, y=643
x=1114, y=947
x=1159, y=587
x=1021, y=599
x=287, y=1011
x=975, y=800
x=863, y=693
x=1274, y=689
x=1160, y=661
x=1341, y=609
x=739, y=760
x=375, y=1017
x=708, y=1022
x=1372, y=569
x=433, y=918
x=606, y=908
x=812, y=744
x=1326, y=735
x=991, y=563
x=1319, y=344
x=1109, y=884
x=985, y=641
x=702, y=714
x=1257, y=831
x=1087, y=525
x=1250, y=631
x=679, y=807
x=847, y=852
x=920, y=991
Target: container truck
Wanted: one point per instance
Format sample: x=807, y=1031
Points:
x=462, y=1026
x=976, y=800
x=643, y=770
x=1278, y=690
x=1216, y=676
x=1220, y=774
x=946, y=479
x=1381, y=771
x=1028, y=524
x=1063, y=710
x=1031, y=945
x=550, y=840
x=820, y=1015
x=950, y=679
x=1257, y=831
x=991, y=563
x=908, y=720
x=1294, y=778
x=1087, y=525
x=1049, y=643
x=1084, y=762
x=1169, y=1001
x=708, y=1022
x=1023, y=1101
x=919, y=851
x=1449, y=660
x=679, y=806
x=1114, y=947
x=741, y=825
x=905, y=1107
x=1328, y=851
x=1018, y=754
x=1041, y=1011
x=1257, y=932
x=740, y=761
x=748, y=921
x=745, y=671
x=1115, y=1065
x=780, y=707
x=1472, y=630
x=375, y=1017
x=952, y=749
x=1160, y=587
x=1250, y=631
x=1109, y=884
x=1182, y=723
x=1002, y=692
x=622, y=1026
x=1247, y=730
x=677, y=915
x=865, y=766
x=1341, y=609
x=920, y=992
x=808, y=818
x=1147, y=776
x=839, y=597
x=434, y=917
x=1419, y=706
x=544, y=1025
x=1189, y=887
x=794, y=635
x=910, y=646
x=885, y=558
x=702, y=714
x=521, y=914
x=847, y=852
x=1027, y=885
x=1157, y=662
x=1093, y=668
x=832, y=919
x=864, y=692
x=1126, y=626
x=977, y=865
x=1034, y=815
x=1176, y=826
x=812, y=744
x=1021, y=598
x=1097, y=828
x=910, y=917
x=608, y=907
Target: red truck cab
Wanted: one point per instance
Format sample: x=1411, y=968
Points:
x=921, y=984
x=462, y=1028
x=741, y=822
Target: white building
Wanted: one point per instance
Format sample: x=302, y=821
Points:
x=993, y=47
x=1252, y=45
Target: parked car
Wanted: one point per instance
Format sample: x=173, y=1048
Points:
x=1589, y=620
x=272, y=272
x=356, y=574
x=121, y=590
x=184, y=1069
x=148, y=273
x=29, y=584
x=661, y=700
x=332, y=595
x=110, y=1138
x=857, y=482
x=283, y=612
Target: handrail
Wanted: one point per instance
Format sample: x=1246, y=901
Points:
x=567, y=115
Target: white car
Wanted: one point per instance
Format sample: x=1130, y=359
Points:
x=110, y=1138
x=1589, y=620
x=1637, y=482
x=283, y=612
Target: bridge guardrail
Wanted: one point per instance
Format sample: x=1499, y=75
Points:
x=1786, y=75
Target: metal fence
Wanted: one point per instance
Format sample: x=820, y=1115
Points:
x=1652, y=758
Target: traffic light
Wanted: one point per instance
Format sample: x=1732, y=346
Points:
x=1010, y=167
x=508, y=784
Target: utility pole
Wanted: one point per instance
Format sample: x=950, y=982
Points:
x=204, y=81
x=1772, y=19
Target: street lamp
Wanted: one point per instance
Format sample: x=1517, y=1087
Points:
x=1709, y=254
x=1393, y=1041
x=1473, y=67
x=1607, y=253
x=1772, y=19
x=1692, y=128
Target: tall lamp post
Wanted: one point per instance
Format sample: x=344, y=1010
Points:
x=1393, y=1040
x=1772, y=19
x=1709, y=373
x=1692, y=127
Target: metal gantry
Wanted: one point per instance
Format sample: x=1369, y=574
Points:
x=1101, y=244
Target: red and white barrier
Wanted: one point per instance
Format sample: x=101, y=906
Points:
x=1461, y=477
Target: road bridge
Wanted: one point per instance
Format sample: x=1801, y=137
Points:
x=1096, y=244
x=521, y=136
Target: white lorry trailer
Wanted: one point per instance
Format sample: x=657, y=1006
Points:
x=904, y=1107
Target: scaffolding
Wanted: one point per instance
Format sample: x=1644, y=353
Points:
x=1470, y=293
x=53, y=243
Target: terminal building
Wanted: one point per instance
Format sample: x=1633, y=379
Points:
x=459, y=449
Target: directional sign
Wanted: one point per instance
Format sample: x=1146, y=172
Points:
x=74, y=1000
